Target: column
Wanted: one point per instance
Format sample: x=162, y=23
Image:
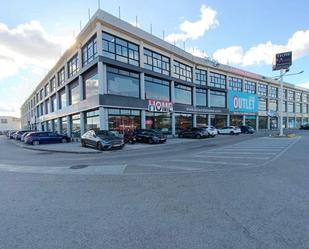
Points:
x=99, y=29
x=59, y=125
x=69, y=125
x=142, y=85
x=243, y=120
x=102, y=74
x=268, y=123
x=82, y=123
x=194, y=120
x=257, y=123
x=143, y=119
x=141, y=54
x=208, y=98
x=172, y=65
x=82, y=94
x=194, y=96
x=209, y=120
x=193, y=74
x=173, y=124
x=228, y=116
x=66, y=70
x=80, y=58
x=58, y=100
x=172, y=92
x=103, y=118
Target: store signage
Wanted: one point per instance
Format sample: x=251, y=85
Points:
x=159, y=106
x=282, y=61
x=204, y=110
x=243, y=102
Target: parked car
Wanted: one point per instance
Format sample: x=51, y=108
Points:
x=247, y=129
x=102, y=140
x=230, y=130
x=304, y=127
x=44, y=137
x=194, y=133
x=149, y=136
x=129, y=137
x=22, y=138
x=212, y=131
x=18, y=134
x=11, y=134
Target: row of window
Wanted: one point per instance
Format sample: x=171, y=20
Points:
x=287, y=106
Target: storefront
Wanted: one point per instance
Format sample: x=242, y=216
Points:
x=291, y=123
x=201, y=120
x=250, y=121
x=75, y=125
x=273, y=123
x=159, y=121
x=263, y=122
x=218, y=121
x=236, y=120
x=298, y=122
x=183, y=121
x=124, y=120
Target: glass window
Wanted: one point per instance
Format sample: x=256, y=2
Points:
x=183, y=94
x=262, y=104
x=47, y=107
x=119, y=49
x=46, y=90
x=159, y=121
x=92, y=120
x=61, y=77
x=156, y=62
x=123, y=82
x=53, y=84
x=156, y=88
x=91, y=86
x=250, y=86
x=273, y=105
x=183, y=121
x=273, y=92
x=123, y=120
x=89, y=51
x=217, y=80
x=76, y=125
x=200, y=77
x=73, y=66
x=201, y=120
x=297, y=108
x=63, y=125
x=305, y=108
x=235, y=84
x=262, y=89
x=182, y=71
x=290, y=95
x=217, y=99
x=53, y=103
x=298, y=96
x=74, y=93
x=290, y=107
x=305, y=98
x=201, y=97
x=63, y=100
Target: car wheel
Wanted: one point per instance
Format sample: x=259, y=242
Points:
x=35, y=142
x=198, y=136
x=99, y=146
x=83, y=143
x=150, y=141
x=63, y=140
x=232, y=133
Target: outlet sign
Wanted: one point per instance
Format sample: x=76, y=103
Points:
x=243, y=102
x=159, y=106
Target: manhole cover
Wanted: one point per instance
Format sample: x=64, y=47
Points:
x=78, y=166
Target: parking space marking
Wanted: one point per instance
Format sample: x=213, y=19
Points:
x=241, y=153
x=210, y=162
x=232, y=157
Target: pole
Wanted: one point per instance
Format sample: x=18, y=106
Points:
x=281, y=102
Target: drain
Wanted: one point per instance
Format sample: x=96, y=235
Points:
x=78, y=166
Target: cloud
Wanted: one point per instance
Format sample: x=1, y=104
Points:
x=195, y=30
x=263, y=53
x=133, y=23
x=305, y=85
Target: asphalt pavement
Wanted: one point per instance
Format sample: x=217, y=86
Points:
x=229, y=192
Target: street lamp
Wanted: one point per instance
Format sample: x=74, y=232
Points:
x=283, y=73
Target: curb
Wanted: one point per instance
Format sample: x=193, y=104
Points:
x=57, y=151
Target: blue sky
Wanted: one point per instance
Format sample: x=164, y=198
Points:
x=244, y=34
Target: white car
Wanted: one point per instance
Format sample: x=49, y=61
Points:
x=230, y=130
x=212, y=131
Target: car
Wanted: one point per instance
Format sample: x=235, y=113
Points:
x=45, y=137
x=194, y=133
x=102, y=140
x=17, y=135
x=212, y=131
x=230, y=130
x=246, y=129
x=149, y=136
x=22, y=138
x=129, y=137
x=11, y=134
x=304, y=127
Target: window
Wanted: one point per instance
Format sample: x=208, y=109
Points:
x=89, y=51
x=63, y=100
x=73, y=66
x=47, y=107
x=91, y=85
x=119, y=49
x=200, y=77
x=53, y=103
x=123, y=82
x=63, y=125
x=182, y=71
x=46, y=90
x=183, y=94
x=61, y=77
x=262, y=104
x=298, y=96
x=297, y=108
x=156, y=62
x=262, y=89
x=305, y=108
x=305, y=98
x=273, y=105
x=92, y=120
x=201, y=97
x=285, y=108
x=159, y=121
x=217, y=99
x=41, y=94
x=157, y=89
x=52, y=84
x=290, y=95
x=217, y=80
x=74, y=93
x=183, y=121
x=235, y=84
x=273, y=92
x=4, y=121
x=249, y=86
x=290, y=107
x=76, y=125
x=123, y=120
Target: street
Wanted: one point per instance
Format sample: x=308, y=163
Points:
x=243, y=191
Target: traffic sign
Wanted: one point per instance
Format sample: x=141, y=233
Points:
x=282, y=61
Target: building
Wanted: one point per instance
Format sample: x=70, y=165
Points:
x=119, y=77
x=8, y=123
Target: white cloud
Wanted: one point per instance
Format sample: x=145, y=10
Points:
x=305, y=85
x=263, y=53
x=133, y=23
x=195, y=30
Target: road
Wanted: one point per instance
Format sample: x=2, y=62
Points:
x=227, y=192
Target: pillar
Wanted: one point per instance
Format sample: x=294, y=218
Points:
x=209, y=120
x=243, y=120
x=82, y=122
x=58, y=100
x=141, y=54
x=173, y=124
x=99, y=29
x=228, y=117
x=82, y=94
x=257, y=123
x=103, y=118
x=59, y=125
x=143, y=119
x=172, y=92
x=194, y=96
x=142, y=85
x=194, y=120
x=102, y=75
x=268, y=123
x=69, y=125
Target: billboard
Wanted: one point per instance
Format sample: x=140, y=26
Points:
x=243, y=102
x=282, y=61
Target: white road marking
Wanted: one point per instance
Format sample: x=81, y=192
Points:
x=233, y=157
x=210, y=162
x=240, y=152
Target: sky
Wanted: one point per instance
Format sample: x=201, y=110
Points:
x=241, y=33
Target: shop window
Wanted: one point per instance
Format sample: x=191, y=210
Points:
x=91, y=85
x=123, y=120
x=92, y=120
x=201, y=97
x=156, y=88
x=183, y=94
x=159, y=121
x=183, y=121
x=217, y=99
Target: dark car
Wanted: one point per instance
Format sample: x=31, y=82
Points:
x=150, y=136
x=44, y=137
x=304, y=127
x=246, y=129
x=194, y=133
x=129, y=137
x=18, y=134
x=102, y=140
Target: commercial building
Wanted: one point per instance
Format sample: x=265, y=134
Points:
x=119, y=77
x=8, y=123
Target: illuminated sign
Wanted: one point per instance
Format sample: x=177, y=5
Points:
x=159, y=106
x=243, y=102
x=283, y=61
